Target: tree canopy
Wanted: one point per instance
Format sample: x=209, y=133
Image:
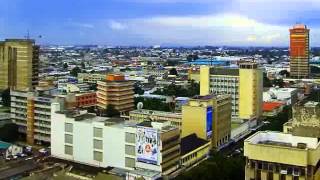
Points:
x=9, y=132
x=74, y=72
x=174, y=90
x=5, y=95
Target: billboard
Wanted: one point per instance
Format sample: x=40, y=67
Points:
x=147, y=145
x=209, y=122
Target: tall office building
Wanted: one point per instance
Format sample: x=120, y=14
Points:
x=116, y=91
x=299, y=51
x=19, y=64
x=209, y=117
x=244, y=84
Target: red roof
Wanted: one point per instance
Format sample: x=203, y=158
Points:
x=270, y=106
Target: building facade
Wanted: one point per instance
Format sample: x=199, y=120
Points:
x=141, y=115
x=280, y=156
x=150, y=146
x=19, y=64
x=244, y=85
x=32, y=114
x=299, y=51
x=115, y=91
x=209, y=117
x=305, y=120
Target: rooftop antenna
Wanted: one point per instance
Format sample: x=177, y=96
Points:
x=28, y=35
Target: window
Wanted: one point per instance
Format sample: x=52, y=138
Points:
x=130, y=162
x=68, y=150
x=97, y=144
x=68, y=127
x=68, y=139
x=97, y=132
x=97, y=156
x=130, y=150
x=130, y=138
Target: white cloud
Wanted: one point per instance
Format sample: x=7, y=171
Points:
x=114, y=25
x=221, y=29
x=84, y=25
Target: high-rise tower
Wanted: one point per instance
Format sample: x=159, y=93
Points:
x=19, y=61
x=299, y=51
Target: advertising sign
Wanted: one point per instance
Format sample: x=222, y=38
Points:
x=147, y=145
x=209, y=122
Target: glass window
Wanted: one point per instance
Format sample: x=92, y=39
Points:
x=68, y=150
x=130, y=138
x=130, y=162
x=97, y=156
x=130, y=150
x=97, y=132
x=68, y=138
x=68, y=127
x=97, y=144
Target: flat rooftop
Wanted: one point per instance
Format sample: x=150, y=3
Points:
x=282, y=139
x=191, y=143
x=156, y=113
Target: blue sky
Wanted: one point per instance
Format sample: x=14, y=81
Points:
x=159, y=22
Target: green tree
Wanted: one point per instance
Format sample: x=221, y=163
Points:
x=9, y=132
x=173, y=71
x=93, y=87
x=111, y=111
x=74, y=72
x=65, y=66
x=138, y=89
x=6, y=101
x=266, y=81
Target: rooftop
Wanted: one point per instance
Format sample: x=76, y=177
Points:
x=224, y=71
x=190, y=143
x=156, y=113
x=269, y=106
x=299, y=26
x=283, y=140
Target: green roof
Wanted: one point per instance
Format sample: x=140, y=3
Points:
x=4, y=145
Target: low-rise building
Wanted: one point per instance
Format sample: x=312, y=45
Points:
x=286, y=95
x=141, y=115
x=272, y=109
x=276, y=155
x=305, y=120
x=91, y=78
x=194, y=150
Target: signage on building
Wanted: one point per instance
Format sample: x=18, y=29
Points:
x=209, y=122
x=147, y=145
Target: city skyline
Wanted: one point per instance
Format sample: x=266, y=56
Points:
x=163, y=22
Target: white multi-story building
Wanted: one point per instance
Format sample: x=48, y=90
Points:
x=286, y=95
x=104, y=142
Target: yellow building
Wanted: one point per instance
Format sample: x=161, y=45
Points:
x=19, y=64
x=244, y=84
x=209, y=117
x=280, y=156
x=250, y=91
x=116, y=91
x=194, y=150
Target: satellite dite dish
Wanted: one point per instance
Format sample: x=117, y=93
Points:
x=139, y=105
